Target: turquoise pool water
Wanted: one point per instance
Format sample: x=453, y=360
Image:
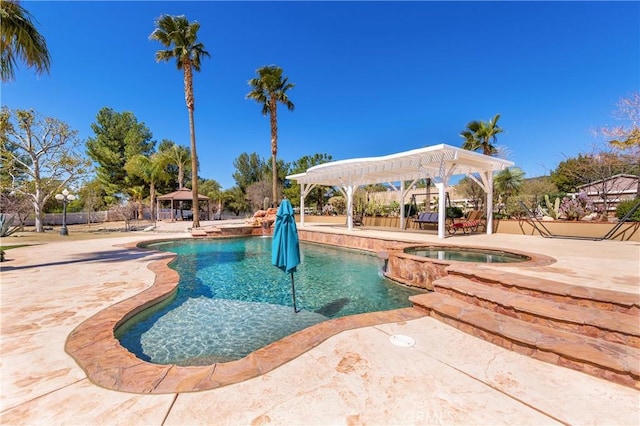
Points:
x=232, y=301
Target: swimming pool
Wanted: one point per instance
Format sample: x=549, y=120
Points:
x=232, y=301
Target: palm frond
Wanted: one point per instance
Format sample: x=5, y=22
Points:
x=20, y=41
x=181, y=35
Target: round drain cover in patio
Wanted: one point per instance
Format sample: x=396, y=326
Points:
x=401, y=340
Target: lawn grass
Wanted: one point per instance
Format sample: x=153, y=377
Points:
x=7, y=247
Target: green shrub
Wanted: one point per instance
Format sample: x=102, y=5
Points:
x=410, y=210
x=513, y=208
x=454, y=212
x=624, y=207
x=392, y=209
x=6, y=226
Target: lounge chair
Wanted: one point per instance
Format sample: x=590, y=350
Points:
x=472, y=223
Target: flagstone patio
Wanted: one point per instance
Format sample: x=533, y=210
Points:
x=354, y=377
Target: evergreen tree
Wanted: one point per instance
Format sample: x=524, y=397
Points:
x=118, y=138
x=250, y=168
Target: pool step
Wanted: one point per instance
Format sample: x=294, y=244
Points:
x=612, y=326
x=205, y=232
x=602, y=358
x=595, y=331
x=600, y=299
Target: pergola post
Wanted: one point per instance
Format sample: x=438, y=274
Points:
x=487, y=177
x=349, y=190
x=402, y=205
x=302, y=197
x=304, y=191
x=403, y=194
x=442, y=208
x=486, y=183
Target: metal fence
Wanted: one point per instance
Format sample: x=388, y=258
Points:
x=55, y=219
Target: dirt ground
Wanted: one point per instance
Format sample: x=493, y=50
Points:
x=76, y=233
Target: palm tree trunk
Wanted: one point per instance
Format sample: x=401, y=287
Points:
x=194, y=176
x=152, y=197
x=140, y=209
x=273, y=107
x=188, y=92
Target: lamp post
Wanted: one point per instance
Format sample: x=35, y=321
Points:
x=65, y=197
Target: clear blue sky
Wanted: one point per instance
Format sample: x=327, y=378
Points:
x=372, y=78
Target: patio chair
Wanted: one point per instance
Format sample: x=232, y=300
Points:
x=472, y=223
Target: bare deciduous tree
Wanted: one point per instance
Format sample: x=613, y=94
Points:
x=45, y=151
x=471, y=190
x=257, y=192
x=625, y=135
x=126, y=211
x=17, y=205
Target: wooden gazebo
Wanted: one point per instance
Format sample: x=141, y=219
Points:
x=181, y=195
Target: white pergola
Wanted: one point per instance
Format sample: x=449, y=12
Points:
x=438, y=162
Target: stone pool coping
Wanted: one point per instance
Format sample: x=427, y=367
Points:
x=108, y=364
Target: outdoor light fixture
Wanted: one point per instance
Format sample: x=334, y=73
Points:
x=65, y=197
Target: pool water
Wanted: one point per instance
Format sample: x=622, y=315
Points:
x=231, y=301
x=467, y=255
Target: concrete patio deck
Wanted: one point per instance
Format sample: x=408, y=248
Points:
x=355, y=377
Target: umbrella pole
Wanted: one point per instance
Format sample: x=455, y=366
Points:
x=293, y=292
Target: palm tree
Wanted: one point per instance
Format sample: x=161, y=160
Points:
x=178, y=156
x=152, y=170
x=479, y=135
x=180, y=36
x=20, y=41
x=137, y=194
x=509, y=183
x=268, y=89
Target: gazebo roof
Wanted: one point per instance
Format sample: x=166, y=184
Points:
x=182, y=194
x=432, y=161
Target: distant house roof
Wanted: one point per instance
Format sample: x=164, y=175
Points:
x=621, y=175
x=182, y=194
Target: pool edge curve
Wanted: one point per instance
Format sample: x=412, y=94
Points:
x=93, y=345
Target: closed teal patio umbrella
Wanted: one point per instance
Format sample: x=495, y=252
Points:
x=285, y=247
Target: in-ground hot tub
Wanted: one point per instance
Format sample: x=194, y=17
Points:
x=420, y=266
x=460, y=254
